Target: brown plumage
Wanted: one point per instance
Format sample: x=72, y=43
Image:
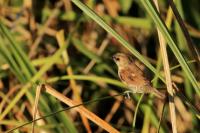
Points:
x=131, y=75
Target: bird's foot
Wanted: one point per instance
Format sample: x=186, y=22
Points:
x=127, y=94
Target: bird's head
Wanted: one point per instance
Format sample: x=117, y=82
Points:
x=121, y=59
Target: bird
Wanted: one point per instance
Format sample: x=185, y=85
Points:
x=133, y=77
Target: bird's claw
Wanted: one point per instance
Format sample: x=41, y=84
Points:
x=127, y=94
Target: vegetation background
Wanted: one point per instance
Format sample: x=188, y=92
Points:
x=66, y=45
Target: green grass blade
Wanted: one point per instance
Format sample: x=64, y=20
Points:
x=106, y=27
x=144, y=23
x=18, y=50
x=162, y=27
x=79, y=45
x=153, y=13
x=35, y=78
x=88, y=78
x=10, y=60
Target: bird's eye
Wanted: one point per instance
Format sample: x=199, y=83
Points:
x=117, y=59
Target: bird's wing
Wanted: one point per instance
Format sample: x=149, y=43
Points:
x=133, y=76
x=135, y=68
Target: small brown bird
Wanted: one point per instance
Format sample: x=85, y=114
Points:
x=133, y=76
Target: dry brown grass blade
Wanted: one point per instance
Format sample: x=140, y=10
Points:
x=190, y=43
x=6, y=99
x=168, y=77
x=68, y=5
x=43, y=29
x=112, y=7
x=113, y=110
x=37, y=96
x=99, y=52
x=61, y=41
x=91, y=116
